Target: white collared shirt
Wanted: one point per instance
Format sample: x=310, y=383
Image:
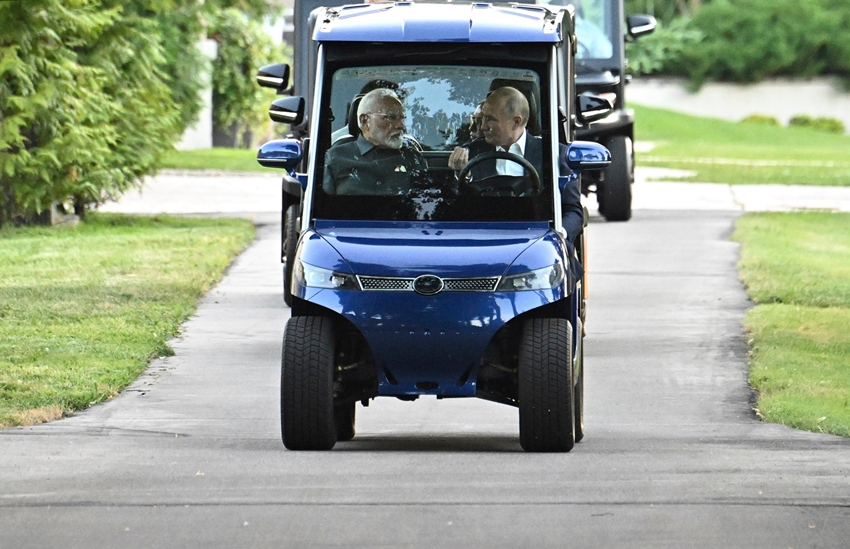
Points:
x=507, y=167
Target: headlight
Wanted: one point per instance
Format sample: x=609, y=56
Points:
x=539, y=279
x=316, y=277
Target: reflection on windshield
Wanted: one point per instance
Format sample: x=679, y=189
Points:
x=392, y=131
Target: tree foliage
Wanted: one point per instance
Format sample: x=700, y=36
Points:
x=666, y=11
x=750, y=40
x=669, y=41
x=243, y=47
x=180, y=25
x=84, y=110
x=93, y=92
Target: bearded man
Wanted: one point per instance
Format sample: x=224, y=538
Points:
x=379, y=161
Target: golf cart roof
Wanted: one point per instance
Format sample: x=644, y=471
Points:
x=431, y=22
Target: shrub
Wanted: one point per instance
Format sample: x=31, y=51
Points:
x=749, y=40
x=820, y=123
x=761, y=119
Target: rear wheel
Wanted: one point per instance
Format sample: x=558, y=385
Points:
x=306, y=384
x=578, y=383
x=344, y=420
x=615, y=194
x=545, y=386
x=290, y=240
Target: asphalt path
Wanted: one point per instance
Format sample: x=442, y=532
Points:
x=190, y=455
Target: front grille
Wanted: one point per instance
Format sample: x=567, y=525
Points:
x=470, y=284
x=388, y=284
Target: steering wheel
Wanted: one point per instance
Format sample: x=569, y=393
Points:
x=495, y=183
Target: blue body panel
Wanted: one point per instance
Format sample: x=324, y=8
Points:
x=406, y=249
x=410, y=22
x=430, y=344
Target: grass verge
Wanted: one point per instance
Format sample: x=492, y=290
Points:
x=720, y=151
x=796, y=267
x=219, y=159
x=84, y=309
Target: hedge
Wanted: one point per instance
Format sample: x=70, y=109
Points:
x=750, y=40
x=84, y=110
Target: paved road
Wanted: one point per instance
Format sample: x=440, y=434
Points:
x=190, y=455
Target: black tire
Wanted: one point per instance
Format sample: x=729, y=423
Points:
x=306, y=384
x=289, y=243
x=615, y=194
x=545, y=386
x=344, y=415
x=578, y=382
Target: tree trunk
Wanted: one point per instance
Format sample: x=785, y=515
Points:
x=80, y=207
x=7, y=202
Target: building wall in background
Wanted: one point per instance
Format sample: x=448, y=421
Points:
x=199, y=135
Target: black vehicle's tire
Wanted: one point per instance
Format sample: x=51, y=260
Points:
x=344, y=416
x=615, y=192
x=290, y=240
x=306, y=384
x=545, y=386
x=578, y=383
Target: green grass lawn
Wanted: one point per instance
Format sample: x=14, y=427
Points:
x=220, y=159
x=796, y=267
x=84, y=309
x=742, y=153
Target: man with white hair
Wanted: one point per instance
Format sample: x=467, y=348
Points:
x=379, y=161
x=505, y=116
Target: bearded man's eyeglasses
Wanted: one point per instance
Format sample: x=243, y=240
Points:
x=388, y=117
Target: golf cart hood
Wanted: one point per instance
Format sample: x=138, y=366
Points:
x=410, y=249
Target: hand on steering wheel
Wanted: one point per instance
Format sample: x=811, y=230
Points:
x=496, y=183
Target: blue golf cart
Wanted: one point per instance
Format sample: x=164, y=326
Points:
x=452, y=288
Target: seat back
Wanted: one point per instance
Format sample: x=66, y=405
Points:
x=353, y=126
x=353, y=121
x=532, y=93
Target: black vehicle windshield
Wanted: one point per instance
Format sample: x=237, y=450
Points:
x=595, y=27
x=408, y=175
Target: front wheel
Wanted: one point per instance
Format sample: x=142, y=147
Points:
x=307, y=418
x=615, y=192
x=545, y=386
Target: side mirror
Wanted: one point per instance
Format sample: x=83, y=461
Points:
x=274, y=76
x=288, y=110
x=280, y=153
x=640, y=25
x=593, y=107
x=587, y=155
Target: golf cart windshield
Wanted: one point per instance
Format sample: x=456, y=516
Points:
x=408, y=176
